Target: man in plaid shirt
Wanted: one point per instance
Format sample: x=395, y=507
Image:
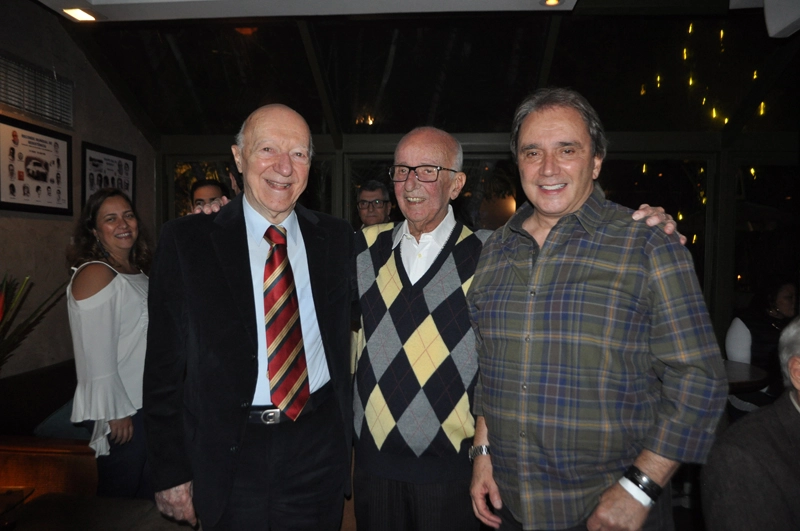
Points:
x=599, y=370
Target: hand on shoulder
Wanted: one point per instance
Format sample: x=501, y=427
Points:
x=90, y=280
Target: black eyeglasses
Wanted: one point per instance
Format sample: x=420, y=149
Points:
x=363, y=204
x=425, y=174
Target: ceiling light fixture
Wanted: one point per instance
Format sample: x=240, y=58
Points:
x=79, y=15
x=550, y=3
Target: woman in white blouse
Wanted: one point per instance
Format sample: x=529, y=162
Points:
x=107, y=305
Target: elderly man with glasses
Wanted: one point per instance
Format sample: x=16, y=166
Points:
x=373, y=203
x=417, y=364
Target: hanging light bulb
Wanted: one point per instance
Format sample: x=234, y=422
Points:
x=761, y=109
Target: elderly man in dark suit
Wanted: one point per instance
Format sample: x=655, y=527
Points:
x=248, y=416
x=752, y=478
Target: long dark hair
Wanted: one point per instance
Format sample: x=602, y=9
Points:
x=86, y=248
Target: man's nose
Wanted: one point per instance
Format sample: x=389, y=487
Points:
x=549, y=166
x=283, y=164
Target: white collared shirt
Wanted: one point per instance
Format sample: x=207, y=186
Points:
x=257, y=225
x=418, y=257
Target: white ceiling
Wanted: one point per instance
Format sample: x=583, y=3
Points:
x=130, y=10
x=782, y=17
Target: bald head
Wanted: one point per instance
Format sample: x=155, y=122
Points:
x=441, y=141
x=425, y=203
x=273, y=153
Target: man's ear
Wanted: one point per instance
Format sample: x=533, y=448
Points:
x=794, y=371
x=237, y=157
x=459, y=180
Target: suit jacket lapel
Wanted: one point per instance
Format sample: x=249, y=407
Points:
x=314, y=237
x=229, y=241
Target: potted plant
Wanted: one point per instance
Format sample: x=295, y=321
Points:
x=12, y=294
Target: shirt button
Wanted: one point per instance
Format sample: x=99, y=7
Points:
x=533, y=292
x=527, y=339
x=245, y=405
x=524, y=387
x=234, y=449
x=522, y=434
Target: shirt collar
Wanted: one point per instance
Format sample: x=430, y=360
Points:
x=439, y=235
x=589, y=215
x=257, y=224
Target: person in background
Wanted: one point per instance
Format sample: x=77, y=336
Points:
x=752, y=477
x=753, y=338
x=107, y=306
x=374, y=205
x=206, y=191
x=600, y=371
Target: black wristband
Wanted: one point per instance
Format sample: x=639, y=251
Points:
x=640, y=479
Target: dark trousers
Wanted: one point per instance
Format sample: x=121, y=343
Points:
x=124, y=472
x=658, y=519
x=291, y=476
x=386, y=505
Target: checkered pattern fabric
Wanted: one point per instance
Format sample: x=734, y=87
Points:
x=418, y=366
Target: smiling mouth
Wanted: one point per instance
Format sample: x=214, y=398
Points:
x=552, y=187
x=124, y=235
x=275, y=184
x=415, y=199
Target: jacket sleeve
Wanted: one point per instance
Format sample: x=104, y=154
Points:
x=165, y=366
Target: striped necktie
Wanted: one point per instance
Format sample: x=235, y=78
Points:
x=288, y=374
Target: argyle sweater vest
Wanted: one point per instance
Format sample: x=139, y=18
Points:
x=417, y=364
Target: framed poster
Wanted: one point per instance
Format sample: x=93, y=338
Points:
x=36, y=175
x=107, y=168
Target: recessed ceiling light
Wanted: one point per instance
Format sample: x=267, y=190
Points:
x=550, y=3
x=79, y=14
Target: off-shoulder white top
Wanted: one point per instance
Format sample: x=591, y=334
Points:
x=109, y=338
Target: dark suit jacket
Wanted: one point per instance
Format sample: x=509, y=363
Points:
x=202, y=350
x=752, y=478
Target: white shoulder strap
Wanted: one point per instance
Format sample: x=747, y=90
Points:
x=76, y=269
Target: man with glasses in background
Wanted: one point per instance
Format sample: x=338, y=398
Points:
x=373, y=203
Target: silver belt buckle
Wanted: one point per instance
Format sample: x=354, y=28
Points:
x=271, y=416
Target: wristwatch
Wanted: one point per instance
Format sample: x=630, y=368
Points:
x=475, y=451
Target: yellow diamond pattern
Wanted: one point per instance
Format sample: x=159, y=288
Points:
x=460, y=424
x=426, y=350
x=379, y=418
x=389, y=282
x=465, y=233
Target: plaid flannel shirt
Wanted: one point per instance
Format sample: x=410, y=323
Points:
x=591, y=348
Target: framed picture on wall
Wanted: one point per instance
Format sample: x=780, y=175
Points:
x=106, y=168
x=36, y=171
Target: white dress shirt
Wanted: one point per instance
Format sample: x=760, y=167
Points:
x=257, y=225
x=418, y=257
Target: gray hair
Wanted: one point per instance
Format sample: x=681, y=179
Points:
x=454, y=147
x=548, y=98
x=789, y=347
x=373, y=185
x=239, y=138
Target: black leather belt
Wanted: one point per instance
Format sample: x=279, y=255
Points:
x=273, y=415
